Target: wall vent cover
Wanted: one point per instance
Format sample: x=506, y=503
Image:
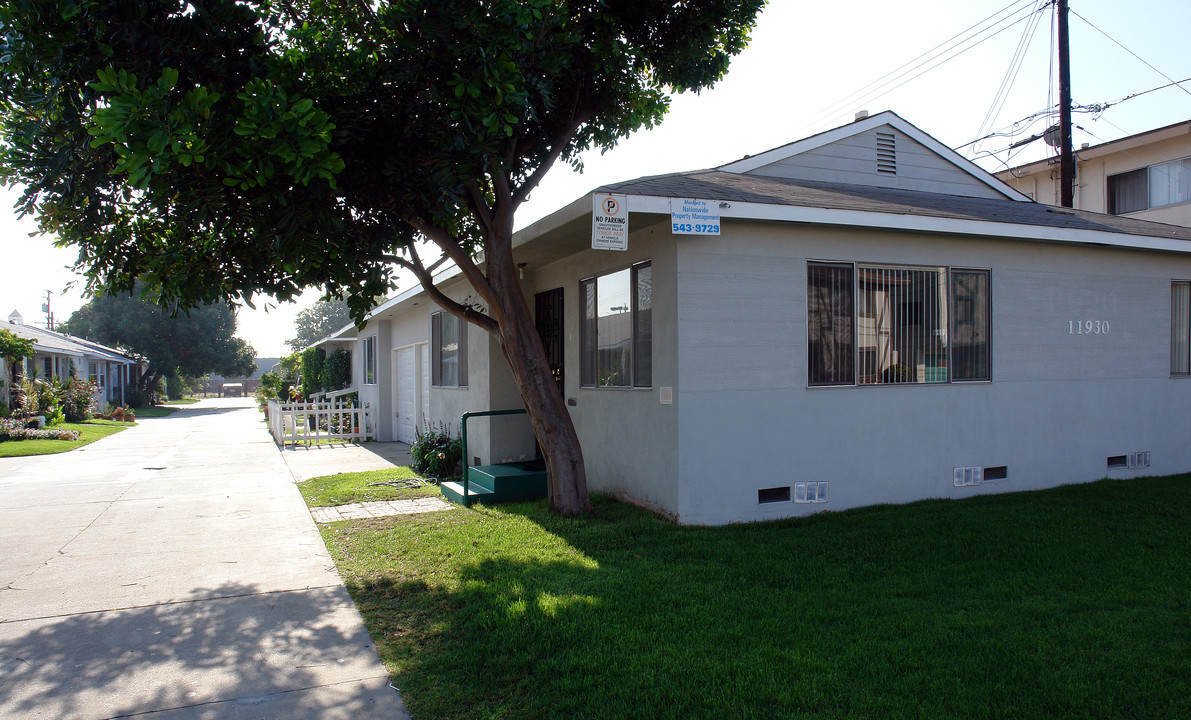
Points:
x=772, y=495
x=886, y=153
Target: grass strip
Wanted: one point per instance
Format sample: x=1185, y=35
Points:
x=1073, y=602
x=345, y=488
x=89, y=431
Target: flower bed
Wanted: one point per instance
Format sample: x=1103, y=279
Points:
x=13, y=429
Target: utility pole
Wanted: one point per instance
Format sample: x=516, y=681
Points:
x=1066, y=157
x=49, y=312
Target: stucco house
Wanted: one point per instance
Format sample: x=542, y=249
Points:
x=1145, y=176
x=859, y=317
x=60, y=355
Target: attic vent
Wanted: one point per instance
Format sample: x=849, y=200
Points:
x=886, y=154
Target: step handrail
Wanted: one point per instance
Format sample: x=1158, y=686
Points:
x=463, y=435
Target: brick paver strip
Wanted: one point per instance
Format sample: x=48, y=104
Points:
x=381, y=508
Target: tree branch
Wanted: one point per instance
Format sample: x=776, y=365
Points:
x=458, y=309
x=556, y=149
x=452, y=249
x=479, y=204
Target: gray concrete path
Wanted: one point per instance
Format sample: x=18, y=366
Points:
x=172, y=571
x=308, y=461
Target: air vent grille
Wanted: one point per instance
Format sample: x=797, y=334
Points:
x=886, y=153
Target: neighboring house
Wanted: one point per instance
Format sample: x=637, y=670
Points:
x=878, y=320
x=1145, y=176
x=60, y=355
x=246, y=385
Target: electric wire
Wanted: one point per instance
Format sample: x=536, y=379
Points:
x=1015, y=65
x=1169, y=78
x=968, y=35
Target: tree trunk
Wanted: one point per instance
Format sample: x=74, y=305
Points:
x=566, y=477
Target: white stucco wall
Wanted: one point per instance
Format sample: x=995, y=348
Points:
x=1058, y=404
x=630, y=439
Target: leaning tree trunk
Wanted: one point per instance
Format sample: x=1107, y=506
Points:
x=566, y=477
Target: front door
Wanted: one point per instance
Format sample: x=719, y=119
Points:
x=548, y=318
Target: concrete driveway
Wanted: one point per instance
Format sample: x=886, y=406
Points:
x=173, y=571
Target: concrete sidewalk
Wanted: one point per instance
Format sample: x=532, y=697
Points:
x=173, y=571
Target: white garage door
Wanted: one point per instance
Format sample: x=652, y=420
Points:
x=407, y=395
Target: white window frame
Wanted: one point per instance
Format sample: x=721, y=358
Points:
x=440, y=377
x=639, y=362
x=1180, y=328
x=369, y=360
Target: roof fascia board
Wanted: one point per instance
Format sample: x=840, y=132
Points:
x=1124, y=144
x=922, y=223
x=861, y=126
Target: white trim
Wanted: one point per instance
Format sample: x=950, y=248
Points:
x=860, y=126
x=897, y=221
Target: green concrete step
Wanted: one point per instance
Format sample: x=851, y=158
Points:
x=499, y=483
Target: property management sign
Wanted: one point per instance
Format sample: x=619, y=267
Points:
x=609, y=222
x=694, y=217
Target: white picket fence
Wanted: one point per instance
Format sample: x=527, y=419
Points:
x=311, y=422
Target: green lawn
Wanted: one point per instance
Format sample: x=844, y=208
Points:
x=188, y=400
x=154, y=411
x=89, y=431
x=1067, y=603
x=345, y=488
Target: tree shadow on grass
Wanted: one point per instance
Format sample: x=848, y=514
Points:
x=232, y=651
x=985, y=608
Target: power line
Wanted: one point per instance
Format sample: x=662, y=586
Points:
x=1172, y=81
x=953, y=45
x=1015, y=65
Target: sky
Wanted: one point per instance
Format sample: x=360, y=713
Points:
x=810, y=67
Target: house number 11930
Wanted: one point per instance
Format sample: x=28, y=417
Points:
x=1087, y=327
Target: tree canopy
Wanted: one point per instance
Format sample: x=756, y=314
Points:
x=193, y=344
x=318, y=321
x=219, y=149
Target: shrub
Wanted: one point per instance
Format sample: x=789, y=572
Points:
x=135, y=398
x=13, y=429
x=173, y=388
x=3, y=409
x=312, y=370
x=78, y=399
x=435, y=454
x=337, y=370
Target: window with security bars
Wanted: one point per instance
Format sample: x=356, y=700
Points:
x=889, y=325
x=1180, y=328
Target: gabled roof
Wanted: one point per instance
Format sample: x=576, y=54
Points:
x=47, y=341
x=888, y=118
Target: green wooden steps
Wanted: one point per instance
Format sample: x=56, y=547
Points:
x=499, y=483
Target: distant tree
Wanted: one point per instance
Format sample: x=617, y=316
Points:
x=194, y=343
x=318, y=321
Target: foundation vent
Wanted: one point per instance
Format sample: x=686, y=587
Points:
x=886, y=154
x=1129, y=462
x=810, y=492
x=964, y=476
x=773, y=495
x=999, y=472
